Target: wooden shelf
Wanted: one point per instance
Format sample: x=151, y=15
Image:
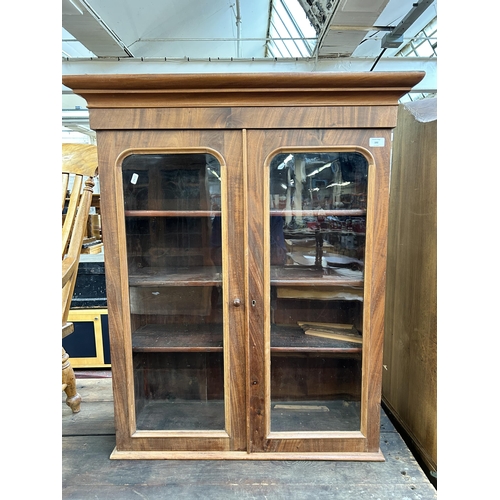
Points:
x=182, y=415
x=273, y=213
x=178, y=338
x=172, y=213
x=208, y=276
x=320, y=213
x=194, y=276
x=311, y=233
x=194, y=338
x=339, y=416
x=311, y=276
x=293, y=339
x=209, y=415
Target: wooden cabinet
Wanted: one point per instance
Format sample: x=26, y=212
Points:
x=245, y=224
x=410, y=343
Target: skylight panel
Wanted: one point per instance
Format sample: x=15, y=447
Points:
x=290, y=32
x=71, y=47
x=424, y=44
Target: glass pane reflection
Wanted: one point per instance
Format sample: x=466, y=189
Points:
x=318, y=206
x=175, y=290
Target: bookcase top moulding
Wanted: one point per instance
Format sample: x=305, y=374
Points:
x=243, y=89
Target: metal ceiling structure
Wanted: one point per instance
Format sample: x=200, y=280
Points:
x=211, y=36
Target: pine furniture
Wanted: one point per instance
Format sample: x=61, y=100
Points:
x=79, y=166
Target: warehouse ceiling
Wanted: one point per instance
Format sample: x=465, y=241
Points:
x=158, y=36
x=240, y=29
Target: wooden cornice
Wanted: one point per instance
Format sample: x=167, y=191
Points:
x=253, y=89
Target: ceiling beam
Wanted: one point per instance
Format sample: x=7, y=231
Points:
x=81, y=21
x=350, y=22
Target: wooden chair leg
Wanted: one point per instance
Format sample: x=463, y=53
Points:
x=73, y=399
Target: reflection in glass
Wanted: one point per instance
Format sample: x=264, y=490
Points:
x=175, y=290
x=318, y=206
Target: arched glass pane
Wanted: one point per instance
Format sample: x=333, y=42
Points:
x=317, y=207
x=172, y=219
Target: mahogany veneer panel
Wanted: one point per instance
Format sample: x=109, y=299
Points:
x=243, y=120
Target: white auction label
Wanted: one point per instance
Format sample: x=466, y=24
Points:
x=134, y=179
x=377, y=142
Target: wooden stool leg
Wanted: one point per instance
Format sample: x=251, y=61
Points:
x=73, y=399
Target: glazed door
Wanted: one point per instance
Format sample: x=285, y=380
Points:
x=180, y=267
x=316, y=224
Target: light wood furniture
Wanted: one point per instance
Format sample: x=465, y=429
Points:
x=79, y=166
x=410, y=345
x=289, y=161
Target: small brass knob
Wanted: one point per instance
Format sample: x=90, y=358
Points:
x=237, y=302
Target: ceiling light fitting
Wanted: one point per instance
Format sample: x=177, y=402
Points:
x=394, y=39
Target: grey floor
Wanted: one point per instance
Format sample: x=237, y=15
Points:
x=88, y=439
